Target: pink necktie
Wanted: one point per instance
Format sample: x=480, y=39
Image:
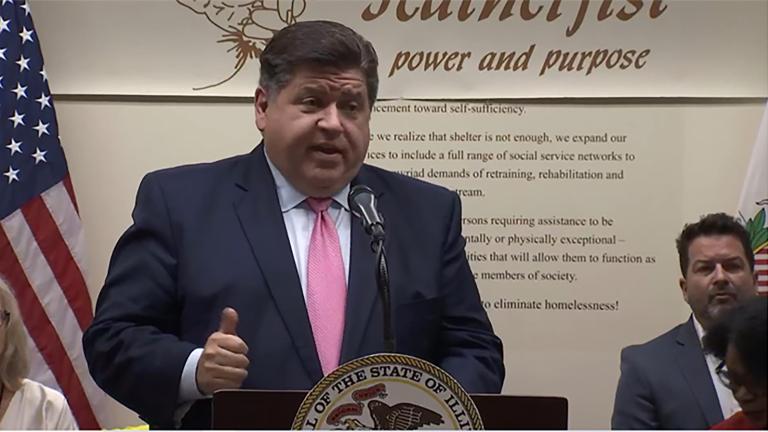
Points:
x=326, y=286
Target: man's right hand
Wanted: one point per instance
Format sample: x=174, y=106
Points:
x=223, y=363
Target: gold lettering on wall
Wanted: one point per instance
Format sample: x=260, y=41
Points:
x=502, y=10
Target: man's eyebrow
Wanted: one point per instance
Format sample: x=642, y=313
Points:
x=352, y=91
x=712, y=260
x=735, y=258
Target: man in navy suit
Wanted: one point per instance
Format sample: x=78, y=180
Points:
x=208, y=288
x=668, y=382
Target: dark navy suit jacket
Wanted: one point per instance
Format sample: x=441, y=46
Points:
x=212, y=235
x=665, y=384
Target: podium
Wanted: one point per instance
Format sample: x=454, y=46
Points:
x=275, y=410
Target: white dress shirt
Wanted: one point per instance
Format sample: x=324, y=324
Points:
x=299, y=221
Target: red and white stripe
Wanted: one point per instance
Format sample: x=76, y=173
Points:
x=761, y=269
x=42, y=256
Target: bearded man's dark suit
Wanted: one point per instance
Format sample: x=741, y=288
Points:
x=665, y=384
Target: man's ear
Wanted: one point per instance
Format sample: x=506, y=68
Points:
x=261, y=103
x=684, y=288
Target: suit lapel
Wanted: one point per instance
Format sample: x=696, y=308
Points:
x=362, y=291
x=694, y=367
x=258, y=211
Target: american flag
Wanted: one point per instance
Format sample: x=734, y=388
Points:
x=41, y=238
x=753, y=203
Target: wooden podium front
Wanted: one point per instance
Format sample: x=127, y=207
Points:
x=274, y=410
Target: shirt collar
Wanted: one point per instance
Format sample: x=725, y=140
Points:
x=699, y=328
x=289, y=197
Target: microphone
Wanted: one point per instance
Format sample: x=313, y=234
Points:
x=362, y=203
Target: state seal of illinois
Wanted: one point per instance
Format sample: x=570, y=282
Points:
x=388, y=392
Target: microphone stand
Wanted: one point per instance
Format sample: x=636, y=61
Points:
x=382, y=283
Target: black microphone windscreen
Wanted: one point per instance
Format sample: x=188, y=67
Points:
x=362, y=203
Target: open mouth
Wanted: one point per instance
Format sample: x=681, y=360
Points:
x=723, y=297
x=326, y=149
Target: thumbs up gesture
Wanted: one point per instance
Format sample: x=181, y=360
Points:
x=223, y=364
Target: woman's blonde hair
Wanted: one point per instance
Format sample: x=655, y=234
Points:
x=14, y=366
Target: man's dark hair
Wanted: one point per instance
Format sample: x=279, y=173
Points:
x=745, y=327
x=317, y=43
x=711, y=225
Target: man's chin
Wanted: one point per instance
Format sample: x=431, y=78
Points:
x=326, y=186
x=717, y=309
